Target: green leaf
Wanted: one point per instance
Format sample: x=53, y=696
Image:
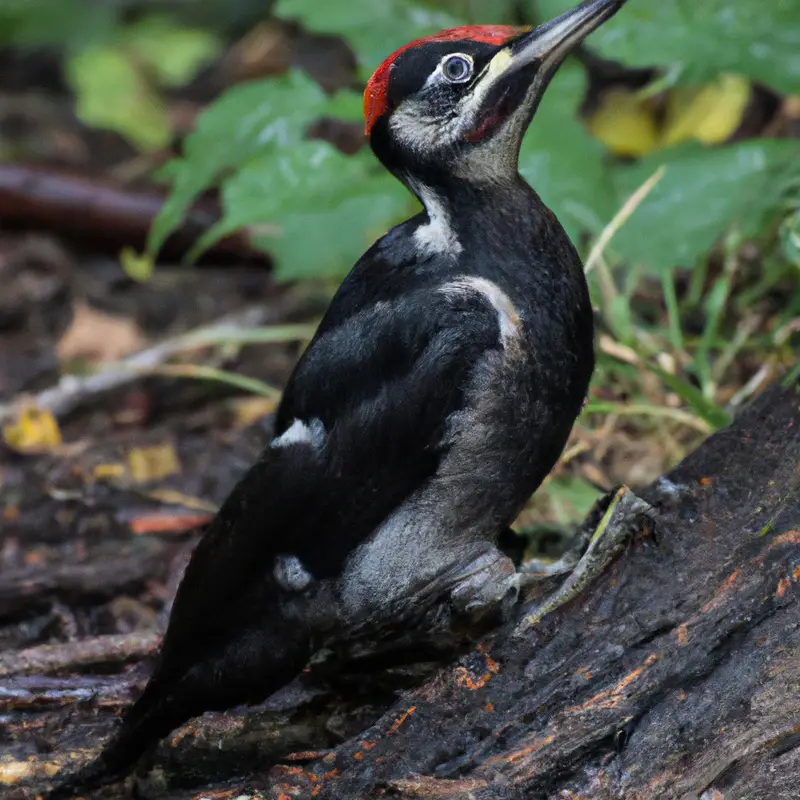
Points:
x=373, y=28
x=340, y=236
x=313, y=182
x=111, y=93
x=563, y=162
x=71, y=23
x=757, y=39
x=247, y=121
x=703, y=193
x=174, y=52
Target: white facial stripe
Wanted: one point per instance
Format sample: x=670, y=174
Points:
x=301, y=433
x=498, y=66
x=437, y=235
x=507, y=316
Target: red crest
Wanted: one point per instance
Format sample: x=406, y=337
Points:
x=375, y=95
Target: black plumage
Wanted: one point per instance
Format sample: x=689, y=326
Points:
x=436, y=395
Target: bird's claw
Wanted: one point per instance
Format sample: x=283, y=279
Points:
x=602, y=546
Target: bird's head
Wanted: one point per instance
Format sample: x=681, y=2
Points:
x=457, y=104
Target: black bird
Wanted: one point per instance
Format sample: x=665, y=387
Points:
x=435, y=397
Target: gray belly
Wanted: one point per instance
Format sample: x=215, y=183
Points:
x=482, y=483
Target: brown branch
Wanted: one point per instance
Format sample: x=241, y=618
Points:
x=78, y=655
x=102, y=213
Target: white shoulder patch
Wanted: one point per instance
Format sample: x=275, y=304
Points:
x=437, y=235
x=300, y=432
x=290, y=574
x=507, y=316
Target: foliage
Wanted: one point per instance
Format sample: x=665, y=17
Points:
x=671, y=153
x=706, y=191
x=697, y=41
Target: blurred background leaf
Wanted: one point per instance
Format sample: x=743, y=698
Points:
x=759, y=40
x=668, y=146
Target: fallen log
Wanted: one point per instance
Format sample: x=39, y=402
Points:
x=675, y=675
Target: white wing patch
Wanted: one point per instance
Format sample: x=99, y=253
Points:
x=300, y=432
x=291, y=574
x=507, y=316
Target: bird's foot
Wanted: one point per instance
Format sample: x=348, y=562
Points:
x=599, y=546
x=485, y=591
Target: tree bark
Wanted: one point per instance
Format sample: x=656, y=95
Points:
x=675, y=675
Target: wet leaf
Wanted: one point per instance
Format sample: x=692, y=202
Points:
x=35, y=431
x=702, y=40
x=563, y=162
x=248, y=121
x=311, y=179
x=704, y=192
x=174, y=52
x=625, y=123
x=138, y=266
x=147, y=464
x=711, y=113
x=99, y=338
x=113, y=94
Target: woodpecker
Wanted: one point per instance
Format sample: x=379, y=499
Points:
x=436, y=395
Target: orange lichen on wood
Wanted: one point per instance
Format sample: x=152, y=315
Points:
x=473, y=684
x=723, y=590
x=489, y=708
x=307, y=755
x=790, y=537
x=368, y=746
x=440, y=788
x=400, y=720
x=682, y=634
x=610, y=698
x=518, y=755
x=783, y=586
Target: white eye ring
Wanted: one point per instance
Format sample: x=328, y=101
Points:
x=457, y=67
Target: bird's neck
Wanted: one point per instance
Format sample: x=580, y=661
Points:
x=458, y=212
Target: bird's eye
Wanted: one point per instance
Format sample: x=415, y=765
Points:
x=457, y=68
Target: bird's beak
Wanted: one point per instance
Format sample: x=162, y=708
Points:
x=549, y=43
x=546, y=46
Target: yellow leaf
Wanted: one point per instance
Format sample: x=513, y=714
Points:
x=153, y=463
x=35, y=431
x=248, y=410
x=97, y=337
x=625, y=123
x=112, y=92
x=138, y=266
x=107, y=471
x=710, y=113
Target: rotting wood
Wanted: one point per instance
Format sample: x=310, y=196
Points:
x=676, y=675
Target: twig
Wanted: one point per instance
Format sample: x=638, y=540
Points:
x=622, y=216
x=72, y=390
x=72, y=656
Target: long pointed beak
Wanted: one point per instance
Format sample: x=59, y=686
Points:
x=549, y=43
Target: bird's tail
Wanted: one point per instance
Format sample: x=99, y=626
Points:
x=150, y=718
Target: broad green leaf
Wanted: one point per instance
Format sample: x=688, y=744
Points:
x=758, y=39
x=703, y=194
x=74, y=23
x=247, y=121
x=311, y=179
x=174, y=52
x=373, y=28
x=328, y=243
x=112, y=93
x=563, y=163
